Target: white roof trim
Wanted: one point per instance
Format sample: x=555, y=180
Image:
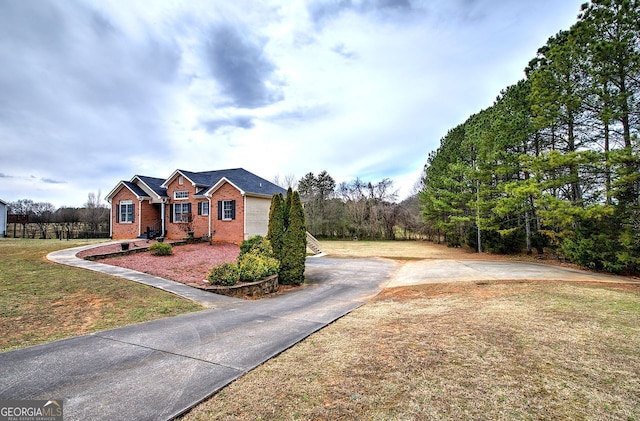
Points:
x=259, y=195
x=117, y=188
x=220, y=182
x=173, y=175
x=146, y=187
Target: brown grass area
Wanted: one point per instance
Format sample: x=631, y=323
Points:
x=421, y=250
x=400, y=250
x=498, y=350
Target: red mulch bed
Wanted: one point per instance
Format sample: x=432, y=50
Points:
x=188, y=264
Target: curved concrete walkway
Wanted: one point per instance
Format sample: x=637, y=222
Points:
x=159, y=369
x=204, y=298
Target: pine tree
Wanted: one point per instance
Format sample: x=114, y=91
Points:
x=558, y=99
x=275, y=232
x=448, y=190
x=555, y=160
x=308, y=185
x=295, y=244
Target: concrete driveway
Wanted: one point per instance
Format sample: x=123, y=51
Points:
x=159, y=369
x=439, y=271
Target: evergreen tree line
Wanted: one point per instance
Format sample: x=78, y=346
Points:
x=553, y=164
x=357, y=209
x=43, y=220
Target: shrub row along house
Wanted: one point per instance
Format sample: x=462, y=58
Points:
x=226, y=205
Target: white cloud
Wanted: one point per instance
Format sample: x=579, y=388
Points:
x=97, y=92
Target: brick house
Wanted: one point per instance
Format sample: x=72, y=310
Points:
x=226, y=205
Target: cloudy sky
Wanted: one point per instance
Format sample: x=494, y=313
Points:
x=93, y=92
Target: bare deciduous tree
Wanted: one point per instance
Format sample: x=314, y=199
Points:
x=95, y=214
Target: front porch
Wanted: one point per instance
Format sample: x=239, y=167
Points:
x=151, y=221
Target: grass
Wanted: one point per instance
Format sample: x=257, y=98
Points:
x=405, y=250
x=41, y=301
x=492, y=350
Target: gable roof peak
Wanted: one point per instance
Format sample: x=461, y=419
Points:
x=152, y=183
x=243, y=180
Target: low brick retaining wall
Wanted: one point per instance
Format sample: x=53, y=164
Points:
x=258, y=289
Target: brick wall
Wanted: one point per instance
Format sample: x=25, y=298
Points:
x=124, y=230
x=175, y=230
x=200, y=222
x=228, y=231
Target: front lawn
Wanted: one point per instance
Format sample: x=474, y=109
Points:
x=41, y=301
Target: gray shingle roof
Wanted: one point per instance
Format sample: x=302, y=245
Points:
x=154, y=184
x=243, y=179
x=246, y=181
x=135, y=189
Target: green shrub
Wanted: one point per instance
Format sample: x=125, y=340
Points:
x=226, y=274
x=257, y=245
x=262, y=248
x=275, y=233
x=539, y=241
x=161, y=249
x=253, y=267
x=248, y=244
x=504, y=242
x=294, y=250
x=598, y=252
x=602, y=244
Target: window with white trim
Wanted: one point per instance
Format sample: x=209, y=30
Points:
x=181, y=194
x=203, y=208
x=126, y=211
x=181, y=212
x=227, y=210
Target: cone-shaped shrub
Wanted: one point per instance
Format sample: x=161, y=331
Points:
x=286, y=207
x=275, y=233
x=295, y=244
